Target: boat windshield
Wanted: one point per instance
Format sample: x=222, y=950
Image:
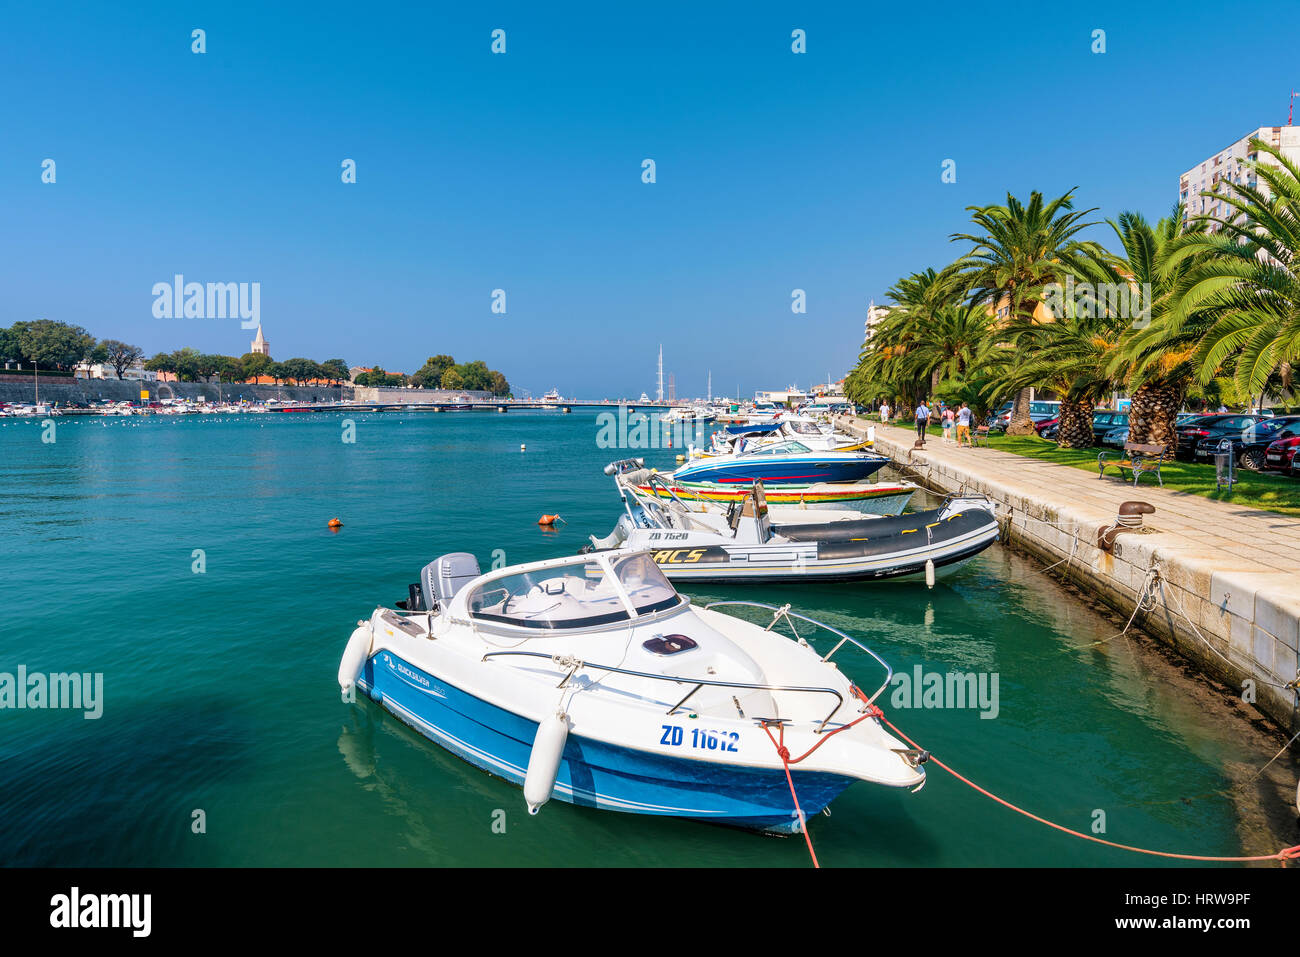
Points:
x=783, y=449
x=572, y=595
x=645, y=584
x=804, y=428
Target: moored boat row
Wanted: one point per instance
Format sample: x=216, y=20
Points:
x=589, y=679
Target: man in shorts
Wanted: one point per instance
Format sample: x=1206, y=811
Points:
x=963, y=425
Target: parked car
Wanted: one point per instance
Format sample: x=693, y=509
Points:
x=1039, y=411
x=1048, y=428
x=1116, y=437
x=1279, y=454
x=1249, y=447
x=1209, y=429
x=1107, y=421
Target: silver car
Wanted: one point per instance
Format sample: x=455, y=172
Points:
x=1116, y=437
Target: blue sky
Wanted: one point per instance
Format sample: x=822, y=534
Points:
x=522, y=171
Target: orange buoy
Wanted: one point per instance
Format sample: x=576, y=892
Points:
x=335, y=523
x=549, y=520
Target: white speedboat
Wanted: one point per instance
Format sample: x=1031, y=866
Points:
x=738, y=438
x=746, y=543
x=690, y=414
x=589, y=679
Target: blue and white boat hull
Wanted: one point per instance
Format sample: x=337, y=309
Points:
x=590, y=680
x=593, y=773
x=779, y=470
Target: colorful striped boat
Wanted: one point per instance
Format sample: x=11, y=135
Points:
x=877, y=498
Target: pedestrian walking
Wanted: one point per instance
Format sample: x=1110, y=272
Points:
x=963, y=425
x=922, y=420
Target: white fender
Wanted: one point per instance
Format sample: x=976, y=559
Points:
x=355, y=655
x=544, y=762
x=929, y=573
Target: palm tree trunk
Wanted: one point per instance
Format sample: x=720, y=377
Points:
x=1076, y=425
x=1152, y=415
x=1021, y=423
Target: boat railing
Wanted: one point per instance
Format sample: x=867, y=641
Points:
x=573, y=665
x=657, y=479
x=654, y=480
x=784, y=612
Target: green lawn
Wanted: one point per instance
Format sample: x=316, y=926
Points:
x=1263, y=490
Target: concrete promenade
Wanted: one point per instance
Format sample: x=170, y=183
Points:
x=1222, y=580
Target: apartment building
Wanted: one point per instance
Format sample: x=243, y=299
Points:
x=1231, y=164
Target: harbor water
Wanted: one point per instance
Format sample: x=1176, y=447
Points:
x=189, y=561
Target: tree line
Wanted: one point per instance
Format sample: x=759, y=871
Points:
x=58, y=346
x=443, y=372
x=190, y=365
x=1187, y=309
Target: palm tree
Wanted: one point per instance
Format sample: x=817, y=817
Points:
x=1071, y=356
x=1155, y=356
x=951, y=343
x=894, y=361
x=1244, y=290
x=1024, y=247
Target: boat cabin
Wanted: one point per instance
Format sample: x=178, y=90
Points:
x=574, y=593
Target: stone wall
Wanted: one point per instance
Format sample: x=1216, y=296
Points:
x=93, y=390
x=1247, y=619
x=416, y=396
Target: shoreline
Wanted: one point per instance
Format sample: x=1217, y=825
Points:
x=1219, y=585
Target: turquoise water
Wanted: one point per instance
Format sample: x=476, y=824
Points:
x=220, y=689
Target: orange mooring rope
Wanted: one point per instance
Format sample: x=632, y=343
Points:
x=1284, y=855
x=784, y=753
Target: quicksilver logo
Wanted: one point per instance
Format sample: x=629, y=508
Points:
x=74, y=910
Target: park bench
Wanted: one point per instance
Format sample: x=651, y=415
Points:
x=1138, y=459
x=980, y=436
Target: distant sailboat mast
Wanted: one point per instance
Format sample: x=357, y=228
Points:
x=661, y=373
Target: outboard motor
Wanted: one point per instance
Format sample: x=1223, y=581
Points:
x=763, y=522
x=758, y=528
x=441, y=579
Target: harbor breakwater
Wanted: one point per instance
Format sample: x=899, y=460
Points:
x=1214, y=580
